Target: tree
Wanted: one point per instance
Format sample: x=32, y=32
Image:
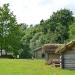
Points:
x=59, y=22
x=9, y=30
x=72, y=31
x=28, y=34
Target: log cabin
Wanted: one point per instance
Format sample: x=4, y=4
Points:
x=38, y=54
x=67, y=55
x=50, y=55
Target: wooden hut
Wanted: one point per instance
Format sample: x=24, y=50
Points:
x=50, y=55
x=67, y=55
x=38, y=53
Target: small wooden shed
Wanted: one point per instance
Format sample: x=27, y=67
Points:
x=67, y=55
x=49, y=51
x=38, y=53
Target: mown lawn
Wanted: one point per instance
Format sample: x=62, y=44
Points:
x=29, y=67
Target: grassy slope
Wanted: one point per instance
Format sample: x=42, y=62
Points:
x=29, y=67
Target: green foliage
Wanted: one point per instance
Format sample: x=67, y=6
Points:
x=60, y=22
x=72, y=31
x=53, y=30
x=10, y=34
x=25, y=52
x=23, y=39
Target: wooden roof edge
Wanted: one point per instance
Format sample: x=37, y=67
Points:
x=37, y=49
x=60, y=49
x=47, y=45
x=63, y=47
x=52, y=44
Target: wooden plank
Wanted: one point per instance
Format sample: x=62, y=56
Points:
x=70, y=51
x=73, y=62
x=69, y=55
x=70, y=68
x=46, y=56
x=69, y=59
x=68, y=64
x=61, y=61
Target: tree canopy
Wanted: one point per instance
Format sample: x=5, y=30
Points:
x=22, y=39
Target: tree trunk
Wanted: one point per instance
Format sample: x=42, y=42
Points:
x=1, y=50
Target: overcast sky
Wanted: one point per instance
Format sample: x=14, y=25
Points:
x=32, y=11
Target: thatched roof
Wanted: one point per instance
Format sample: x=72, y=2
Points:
x=50, y=47
x=65, y=47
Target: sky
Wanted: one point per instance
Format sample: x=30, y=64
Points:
x=32, y=11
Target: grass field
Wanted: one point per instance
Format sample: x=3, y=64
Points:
x=29, y=67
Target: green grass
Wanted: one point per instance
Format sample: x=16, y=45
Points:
x=30, y=67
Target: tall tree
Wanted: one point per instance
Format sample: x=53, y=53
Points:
x=9, y=30
x=59, y=24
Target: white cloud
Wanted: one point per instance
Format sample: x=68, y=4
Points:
x=32, y=11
